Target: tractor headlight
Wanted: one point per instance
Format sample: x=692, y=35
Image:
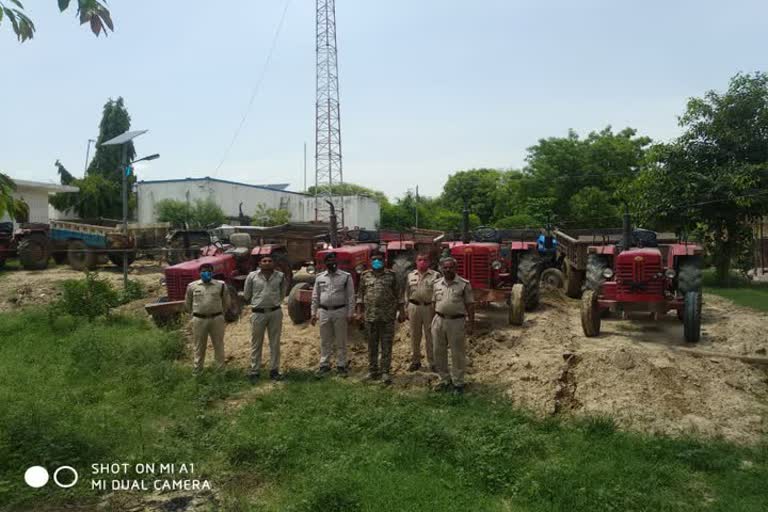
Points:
x=607, y=273
x=496, y=265
x=359, y=268
x=670, y=273
x=311, y=269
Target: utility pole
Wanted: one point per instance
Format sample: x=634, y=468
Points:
x=417, y=207
x=328, y=167
x=305, y=167
x=87, y=155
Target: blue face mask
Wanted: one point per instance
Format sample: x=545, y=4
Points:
x=377, y=264
x=206, y=276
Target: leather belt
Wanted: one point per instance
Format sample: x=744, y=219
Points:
x=200, y=315
x=417, y=303
x=449, y=317
x=331, y=308
x=265, y=310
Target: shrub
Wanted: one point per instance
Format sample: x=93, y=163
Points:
x=134, y=291
x=90, y=297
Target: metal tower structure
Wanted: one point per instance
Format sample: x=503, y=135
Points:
x=328, y=168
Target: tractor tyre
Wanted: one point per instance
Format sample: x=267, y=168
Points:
x=573, y=281
x=283, y=264
x=60, y=257
x=595, y=266
x=529, y=275
x=402, y=266
x=590, y=314
x=689, y=275
x=34, y=252
x=80, y=257
x=232, y=314
x=297, y=310
x=117, y=258
x=552, y=279
x=517, y=305
x=692, y=317
x=2, y=263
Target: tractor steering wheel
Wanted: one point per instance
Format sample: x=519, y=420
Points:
x=485, y=234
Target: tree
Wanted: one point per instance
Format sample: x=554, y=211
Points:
x=204, y=213
x=350, y=189
x=178, y=213
x=16, y=209
x=270, y=216
x=100, y=192
x=477, y=187
x=93, y=12
x=713, y=178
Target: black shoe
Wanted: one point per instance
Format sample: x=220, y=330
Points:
x=342, y=371
x=372, y=375
x=323, y=370
x=458, y=390
x=414, y=367
x=253, y=377
x=275, y=375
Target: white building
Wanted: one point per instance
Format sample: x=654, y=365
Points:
x=359, y=211
x=36, y=194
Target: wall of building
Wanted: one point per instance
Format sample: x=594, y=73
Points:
x=358, y=211
x=37, y=199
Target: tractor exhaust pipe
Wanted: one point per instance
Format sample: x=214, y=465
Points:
x=626, y=237
x=465, y=225
x=334, y=226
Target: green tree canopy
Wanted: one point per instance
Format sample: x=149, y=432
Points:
x=713, y=177
x=351, y=189
x=477, y=187
x=270, y=216
x=204, y=213
x=107, y=159
x=92, y=12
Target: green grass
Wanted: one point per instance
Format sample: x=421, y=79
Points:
x=77, y=393
x=740, y=291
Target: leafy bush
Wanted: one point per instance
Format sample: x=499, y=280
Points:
x=90, y=297
x=134, y=291
x=204, y=213
x=270, y=216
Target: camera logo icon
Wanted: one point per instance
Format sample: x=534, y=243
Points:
x=37, y=476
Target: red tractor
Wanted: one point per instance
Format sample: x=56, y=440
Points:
x=642, y=275
x=353, y=258
x=501, y=266
x=231, y=263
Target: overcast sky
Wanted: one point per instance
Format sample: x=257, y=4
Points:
x=427, y=87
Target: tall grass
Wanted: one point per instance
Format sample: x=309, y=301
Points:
x=738, y=290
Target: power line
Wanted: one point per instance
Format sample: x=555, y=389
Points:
x=256, y=88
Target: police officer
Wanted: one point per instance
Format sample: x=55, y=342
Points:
x=453, y=303
x=264, y=290
x=207, y=299
x=333, y=303
x=419, y=288
x=379, y=298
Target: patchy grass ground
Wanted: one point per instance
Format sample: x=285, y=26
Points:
x=113, y=391
x=740, y=291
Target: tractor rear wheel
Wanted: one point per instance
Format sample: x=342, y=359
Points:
x=517, y=305
x=595, y=266
x=297, y=310
x=573, y=280
x=529, y=275
x=402, y=266
x=60, y=257
x=232, y=314
x=552, y=279
x=117, y=258
x=283, y=264
x=80, y=257
x=34, y=252
x=590, y=314
x=692, y=317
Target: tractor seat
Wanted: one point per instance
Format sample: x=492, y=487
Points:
x=241, y=245
x=239, y=252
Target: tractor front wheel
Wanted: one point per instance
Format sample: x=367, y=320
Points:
x=529, y=275
x=590, y=314
x=517, y=305
x=552, y=279
x=80, y=257
x=692, y=317
x=232, y=314
x=297, y=310
x=573, y=280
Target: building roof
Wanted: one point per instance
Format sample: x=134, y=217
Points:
x=278, y=187
x=49, y=187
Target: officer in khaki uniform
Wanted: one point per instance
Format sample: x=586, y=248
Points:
x=379, y=298
x=264, y=290
x=207, y=299
x=333, y=304
x=452, y=301
x=419, y=289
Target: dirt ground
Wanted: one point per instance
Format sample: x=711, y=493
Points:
x=632, y=372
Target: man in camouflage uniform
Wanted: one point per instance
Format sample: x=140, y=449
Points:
x=419, y=287
x=379, y=299
x=453, y=302
x=207, y=299
x=333, y=304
